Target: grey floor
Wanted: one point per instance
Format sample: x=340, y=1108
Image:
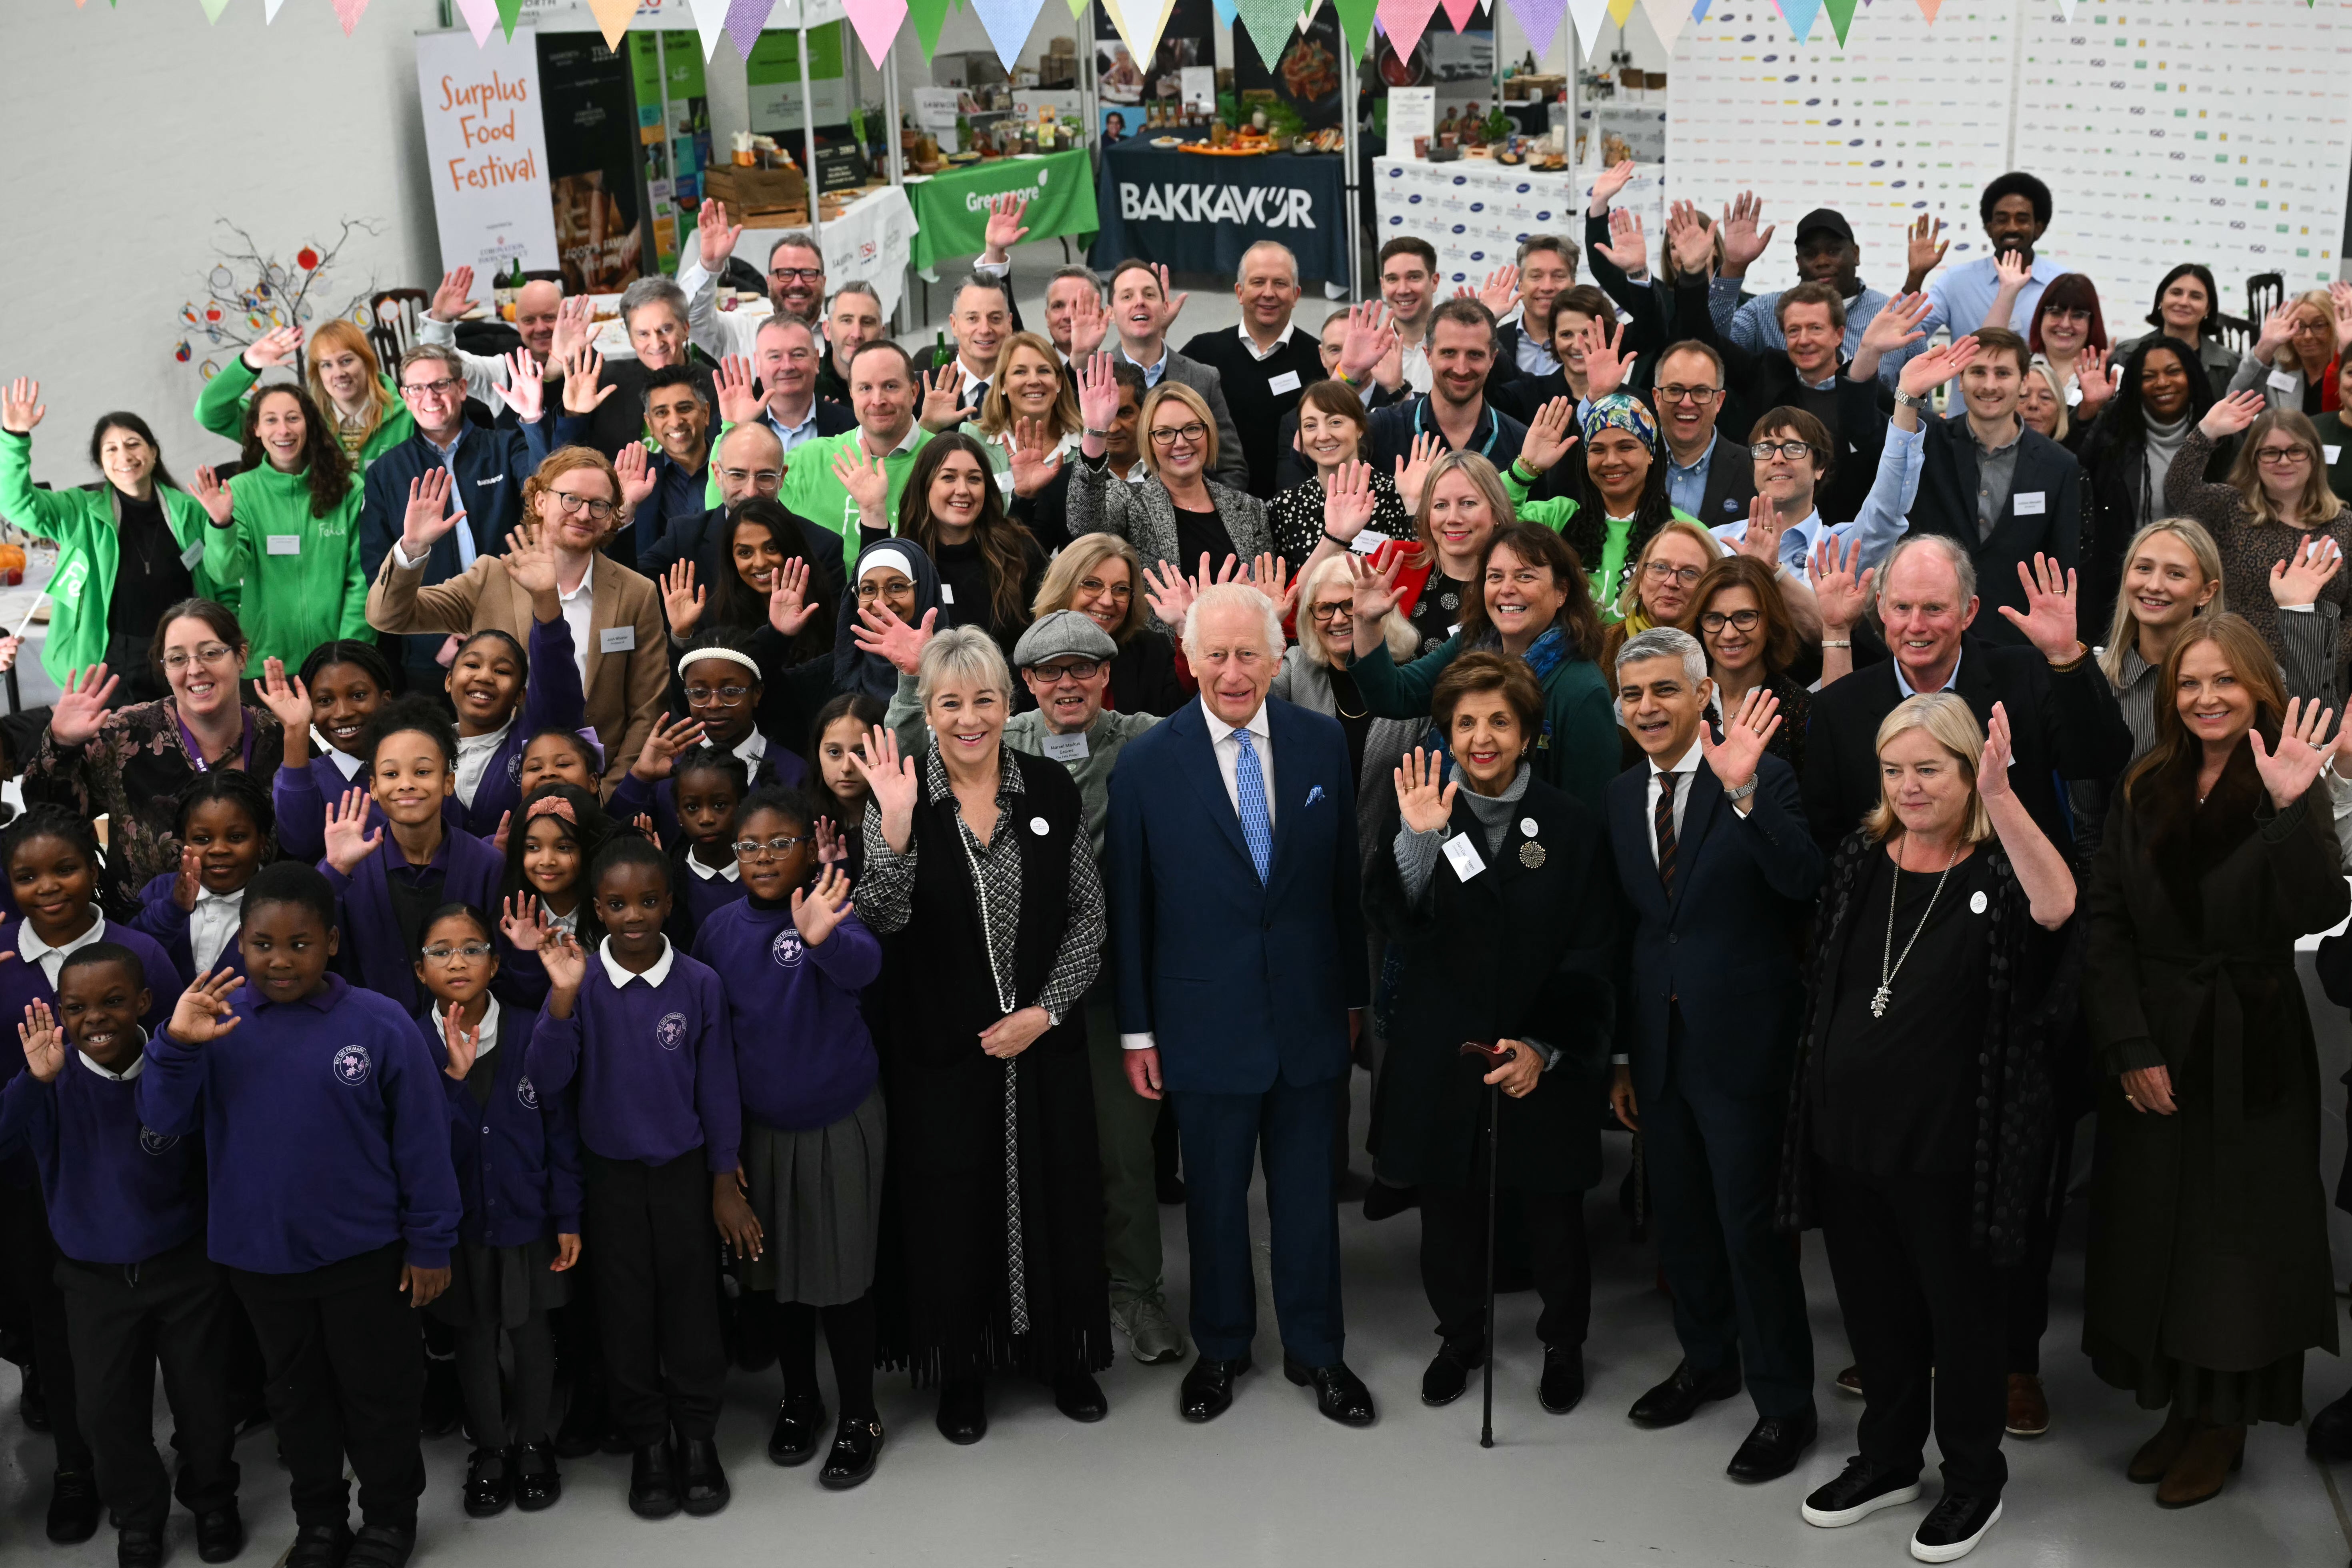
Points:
x=1271, y=1483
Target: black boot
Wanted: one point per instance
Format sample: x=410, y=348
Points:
x=702, y=1480
x=653, y=1482
x=73, y=1507
x=320, y=1546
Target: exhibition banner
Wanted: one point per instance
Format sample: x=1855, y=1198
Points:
x=486, y=147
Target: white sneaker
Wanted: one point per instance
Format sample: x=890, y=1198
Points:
x=1953, y=1527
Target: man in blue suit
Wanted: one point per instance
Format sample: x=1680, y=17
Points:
x=1237, y=933
x=1720, y=871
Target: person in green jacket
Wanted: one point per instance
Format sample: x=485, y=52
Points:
x=1536, y=606
x=370, y=417
x=882, y=385
x=1617, y=500
x=139, y=529
x=287, y=527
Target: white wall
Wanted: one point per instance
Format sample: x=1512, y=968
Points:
x=141, y=126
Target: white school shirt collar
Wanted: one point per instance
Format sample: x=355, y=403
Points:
x=1689, y=764
x=344, y=762
x=729, y=872
x=651, y=977
x=488, y=1040
x=127, y=1075
x=33, y=950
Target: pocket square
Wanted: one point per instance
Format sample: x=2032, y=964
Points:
x=1314, y=794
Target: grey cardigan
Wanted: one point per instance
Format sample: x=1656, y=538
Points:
x=1232, y=466
x=1145, y=515
x=1303, y=682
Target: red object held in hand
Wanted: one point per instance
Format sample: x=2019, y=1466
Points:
x=1494, y=1055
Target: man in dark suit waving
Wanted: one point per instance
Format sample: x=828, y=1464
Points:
x=1237, y=934
x=1720, y=874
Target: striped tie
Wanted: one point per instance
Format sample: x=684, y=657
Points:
x=1664, y=820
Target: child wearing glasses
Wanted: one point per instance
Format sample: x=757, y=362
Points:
x=801, y=1210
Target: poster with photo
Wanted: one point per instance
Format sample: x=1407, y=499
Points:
x=1307, y=78
x=594, y=163
x=1129, y=85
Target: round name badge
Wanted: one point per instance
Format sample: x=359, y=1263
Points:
x=1528, y=825
x=1040, y=827
x=1977, y=902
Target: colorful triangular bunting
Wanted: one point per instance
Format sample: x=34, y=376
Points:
x=480, y=16
x=1356, y=24
x=1588, y=15
x=1540, y=20
x=1007, y=23
x=613, y=20
x=877, y=22
x=1667, y=17
x=1841, y=16
x=510, y=13
x=1270, y=24
x=212, y=8
x=930, y=17
x=349, y=12
x=1928, y=8
x=744, y=20
x=1800, y=14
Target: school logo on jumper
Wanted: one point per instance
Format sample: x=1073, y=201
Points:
x=527, y=1094
x=1271, y=207
x=787, y=948
x=670, y=1033
x=155, y=1143
x=352, y=1065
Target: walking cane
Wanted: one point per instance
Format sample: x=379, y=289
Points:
x=1493, y=1056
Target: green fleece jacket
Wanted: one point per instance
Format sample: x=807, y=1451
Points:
x=811, y=490
x=220, y=408
x=302, y=580
x=1605, y=578
x=88, y=551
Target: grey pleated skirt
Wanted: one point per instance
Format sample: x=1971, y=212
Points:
x=501, y=1285
x=818, y=1196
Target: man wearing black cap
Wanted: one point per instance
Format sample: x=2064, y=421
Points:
x=1826, y=253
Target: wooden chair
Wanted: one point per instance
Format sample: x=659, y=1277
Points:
x=2237, y=333
x=2265, y=292
x=393, y=318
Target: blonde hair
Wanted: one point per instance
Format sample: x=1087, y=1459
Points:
x=1949, y=722
x=2049, y=374
x=2123, y=632
x=1395, y=630
x=962, y=652
x=996, y=409
x=339, y=335
x=1175, y=392
x=1086, y=553
x=1629, y=598
x=2309, y=300
x=1481, y=475
x=2318, y=504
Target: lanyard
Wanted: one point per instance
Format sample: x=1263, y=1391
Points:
x=196, y=752
x=1486, y=417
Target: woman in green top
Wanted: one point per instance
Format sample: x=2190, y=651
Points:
x=287, y=527
x=125, y=550
x=370, y=417
x=1616, y=497
x=1534, y=606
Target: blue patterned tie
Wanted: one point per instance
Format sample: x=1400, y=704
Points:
x=1249, y=785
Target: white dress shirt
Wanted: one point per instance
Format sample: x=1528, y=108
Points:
x=474, y=753
x=212, y=924
x=487, y=1042
x=33, y=950
x=1226, y=742
x=1677, y=778
x=346, y=764
x=620, y=976
x=579, y=615
x=1263, y=355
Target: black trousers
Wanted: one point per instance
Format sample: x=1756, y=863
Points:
x=175, y=1308
x=501, y=1422
x=346, y=1377
x=652, y=1246
x=1454, y=1261
x=30, y=1257
x=1922, y=1310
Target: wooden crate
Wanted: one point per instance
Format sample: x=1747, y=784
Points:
x=763, y=193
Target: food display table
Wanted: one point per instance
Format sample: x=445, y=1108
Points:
x=951, y=209
x=1197, y=212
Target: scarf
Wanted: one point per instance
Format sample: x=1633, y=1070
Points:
x=1494, y=812
x=855, y=670
x=1624, y=412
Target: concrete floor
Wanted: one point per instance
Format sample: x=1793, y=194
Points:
x=1271, y=1483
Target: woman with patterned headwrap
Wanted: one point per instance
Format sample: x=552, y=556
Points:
x=1616, y=497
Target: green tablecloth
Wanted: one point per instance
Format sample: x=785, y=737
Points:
x=951, y=206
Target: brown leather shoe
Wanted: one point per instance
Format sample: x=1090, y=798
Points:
x=2203, y=1468
x=2029, y=1407
x=2156, y=1455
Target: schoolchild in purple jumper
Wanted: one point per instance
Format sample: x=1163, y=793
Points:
x=52, y=862
x=387, y=879
x=699, y=836
x=518, y=1158
x=502, y=697
x=329, y=712
x=719, y=684
x=644, y=1029
x=549, y=848
x=837, y=741
x=804, y=1212
x=127, y=1207
x=225, y=827
x=562, y=756
x=332, y=1204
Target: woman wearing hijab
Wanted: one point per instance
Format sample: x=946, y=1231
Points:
x=1616, y=497
x=892, y=575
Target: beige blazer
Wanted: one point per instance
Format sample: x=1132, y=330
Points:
x=625, y=689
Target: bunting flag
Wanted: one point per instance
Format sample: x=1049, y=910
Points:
x=348, y=12
x=1270, y=24
x=1077, y=9
x=1540, y=20
x=2067, y=8
x=509, y=12
x=877, y=21
x=1404, y=22
x=1841, y=16
x=1928, y=8
x=1140, y=28
x=1356, y=24
x=1007, y=23
x=613, y=20
x=1459, y=12
x=1620, y=11
x=746, y=17
x=711, y=21
x=1698, y=12
x=1227, y=11
x=1588, y=15
x=1800, y=14
x=269, y=10
x=930, y=17
x=480, y=15
x=212, y=8
x=1668, y=17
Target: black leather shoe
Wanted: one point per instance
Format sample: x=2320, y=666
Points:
x=444, y=1400
x=1340, y=1394
x=1449, y=1372
x=1078, y=1396
x=1385, y=1201
x=2330, y=1434
x=1207, y=1391
x=653, y=1483
x=138, y=1549
x=1677, y=1399
x=73, y=1507
x=537, y=1483
x=583, y=1432
x=702, y=1480
x=963, y=1410
x=1773, y=1447
x=220, y=1534
x=1562, y=1387
x=320, y=1546
x=799, y=1420
x=489, y=1482
x=856, y=1445
x=380, y=1546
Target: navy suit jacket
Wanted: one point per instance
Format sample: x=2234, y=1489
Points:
x=1242, y=983
x=1724, y=946
x=492, y=466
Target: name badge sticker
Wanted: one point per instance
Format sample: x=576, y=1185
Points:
x=2029, y=503
x=191, y=555
x=1464, y=856
x=1065, y=748
x=285, y=544
x=2285, y=381
x=616, y=639
x=1286, y=382
x=2331, y=455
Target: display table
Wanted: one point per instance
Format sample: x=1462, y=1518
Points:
x=1195, y=212
x=1476, y=211
x=951, y=209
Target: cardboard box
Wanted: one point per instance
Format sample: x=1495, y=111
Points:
x=761, y=191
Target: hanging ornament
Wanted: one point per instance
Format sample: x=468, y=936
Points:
x=480, y=16
x=1621, y=11
x=1459, y=12
x=1140, y=23
x=509, y=12
x=183, y=353
x=613, y=20
x=1928, y=8
x=212, y=8
x=269, y=11
x=930, y=17
x=306, y=259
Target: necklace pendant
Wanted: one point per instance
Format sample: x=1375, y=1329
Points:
x=1878, y=1002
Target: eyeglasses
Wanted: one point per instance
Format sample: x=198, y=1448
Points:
x=210, y=653
x=1080, y=669
x=2307, y=328
x=1190, y=433
x=2066, y=313
x=571, y=505
x=1795, y=452
x=753, y=848
x=768, y=481
x=725, y=696
x=1337, y=610
x=2283, y=457
x=1659, y=572
x=1701, y=395
x=441, y=388
x=795, y=274
x=1743, y=620
x=442, y=952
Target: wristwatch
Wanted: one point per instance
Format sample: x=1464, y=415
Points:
x=1910, y=400
x=1742, y=793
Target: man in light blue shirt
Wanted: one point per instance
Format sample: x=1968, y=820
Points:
x=1792, y=456
x=2016, y=210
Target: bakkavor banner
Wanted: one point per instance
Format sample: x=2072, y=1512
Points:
x=486, y=146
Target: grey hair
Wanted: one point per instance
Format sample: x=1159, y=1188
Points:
x=1087, y=273
x=980, y=280
x=1221, y=594
x=648, y=291
x=962, y=652
x=858, y=286
x=1942, y=544
x=1565, y=248
x=782, y=318
x=1287, y=254
x=1665, y=642
x=796, y=239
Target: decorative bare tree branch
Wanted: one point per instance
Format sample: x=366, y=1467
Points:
x=249, y=292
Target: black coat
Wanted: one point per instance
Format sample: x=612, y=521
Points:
x=1257, y=408
x=1517, y=952
x=1730, y=481
x=1947, y=504
x=2115, y=471
x=621, y=418
x=2065, y=726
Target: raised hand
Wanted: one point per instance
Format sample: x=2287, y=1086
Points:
x=738, y=404
x=1742, y=244
x=1169, y=592
x=1372, y=332
x=2048, y=622
x=943, y=404
x=1607, y=183
x=1090, y=325
x=832, y=849
x=1548, y=440
x=189, y=880
x=789, y=604
x=1499, y=292
x=520, y=923
x=1761, y=538
x=1376, y=591
x=1924, y=249
x=213, y=494
x=530, y=560
x=526, y=387
x=348, y=842
x=576, y=323
x=1172, y=304
x=1604, y=367
x=1266, y=575
x=868, y=482
x=44, y=1042
x=634, y=466
x=427, y=517
x=880, y=631
x=202, y=1014
x=1689, y=241
x=1412, y=469
x=1840, y=592
x=1034, y=461
x=819, y=908
x=1424, y=799
x=2278, y=330
x=714, y=234
x=1628, y=248
x=2011, y=275
x=1734, y=759
x=681, y=598
x=274, y=347
x=1923, y=372
x=2296, y=580
x=2292, y=765
x=892, y=781
x=1097, y=393
x=1993, y=766
x=581, y=392
x=2232, y=414
x=21, y=408
x=451, y=299
x=462, y=1043
x=1348, y=500
x=669, y=738
x=288, y=699
x=2091, y=379
x=1005, y=230
x=81, y=707
x=564, y=960
x=2339, y=306
x=1896, y=326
